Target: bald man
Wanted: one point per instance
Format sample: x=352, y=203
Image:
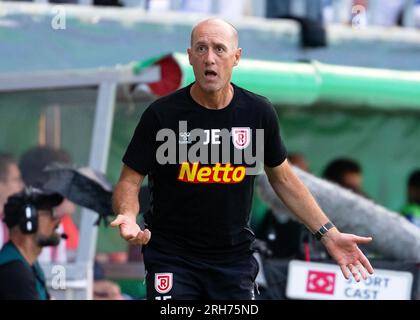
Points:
x=201, y=148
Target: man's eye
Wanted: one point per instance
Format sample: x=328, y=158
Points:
x=201, y=49
x=220, y=49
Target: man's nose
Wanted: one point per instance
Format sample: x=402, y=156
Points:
x=209, y=58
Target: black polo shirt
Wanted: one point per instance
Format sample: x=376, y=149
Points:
x=202, y=209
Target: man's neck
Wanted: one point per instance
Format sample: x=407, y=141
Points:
x=215, y=100
x=26, y=247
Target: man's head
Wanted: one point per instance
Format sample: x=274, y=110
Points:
x=10, y=179
x=34, y=161
x=414, y=187
x=346, y=173
x=30, y=213
x=213, y=54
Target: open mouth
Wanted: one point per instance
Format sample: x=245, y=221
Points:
x=210, y=74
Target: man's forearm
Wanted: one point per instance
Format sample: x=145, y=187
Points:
x=125, y=198
x=126, y=206
x=298, y=199
x=341, y=246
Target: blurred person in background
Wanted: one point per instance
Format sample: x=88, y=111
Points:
x=33, y=163
x=346, y=173
x=10, y=183
x=32, y=223
x=385, y=13
x=298, y=160
x=412, y=209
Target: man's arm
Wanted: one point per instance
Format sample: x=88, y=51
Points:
x=342, y=247
x=125, y=202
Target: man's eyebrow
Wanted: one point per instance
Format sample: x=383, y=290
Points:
x=221, y=45
x=217, y=44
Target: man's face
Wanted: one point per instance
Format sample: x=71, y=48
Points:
x=353, y=181
x=11, y=184
x=213, y=54
x=47, y=234
x=414, y=194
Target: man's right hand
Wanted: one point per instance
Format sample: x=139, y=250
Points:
x=130, y=230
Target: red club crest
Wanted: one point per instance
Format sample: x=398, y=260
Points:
x=163, y=282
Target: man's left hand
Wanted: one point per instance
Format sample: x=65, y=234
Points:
x=343, y=248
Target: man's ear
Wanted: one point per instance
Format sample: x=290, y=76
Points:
x=237, y=56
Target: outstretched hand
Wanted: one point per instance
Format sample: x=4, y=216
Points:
x=130, y=230
x=343, y=248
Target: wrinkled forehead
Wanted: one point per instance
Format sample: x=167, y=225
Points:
x=214, y=32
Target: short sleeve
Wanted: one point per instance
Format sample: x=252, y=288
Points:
x=274, y=149
x=141, y=152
